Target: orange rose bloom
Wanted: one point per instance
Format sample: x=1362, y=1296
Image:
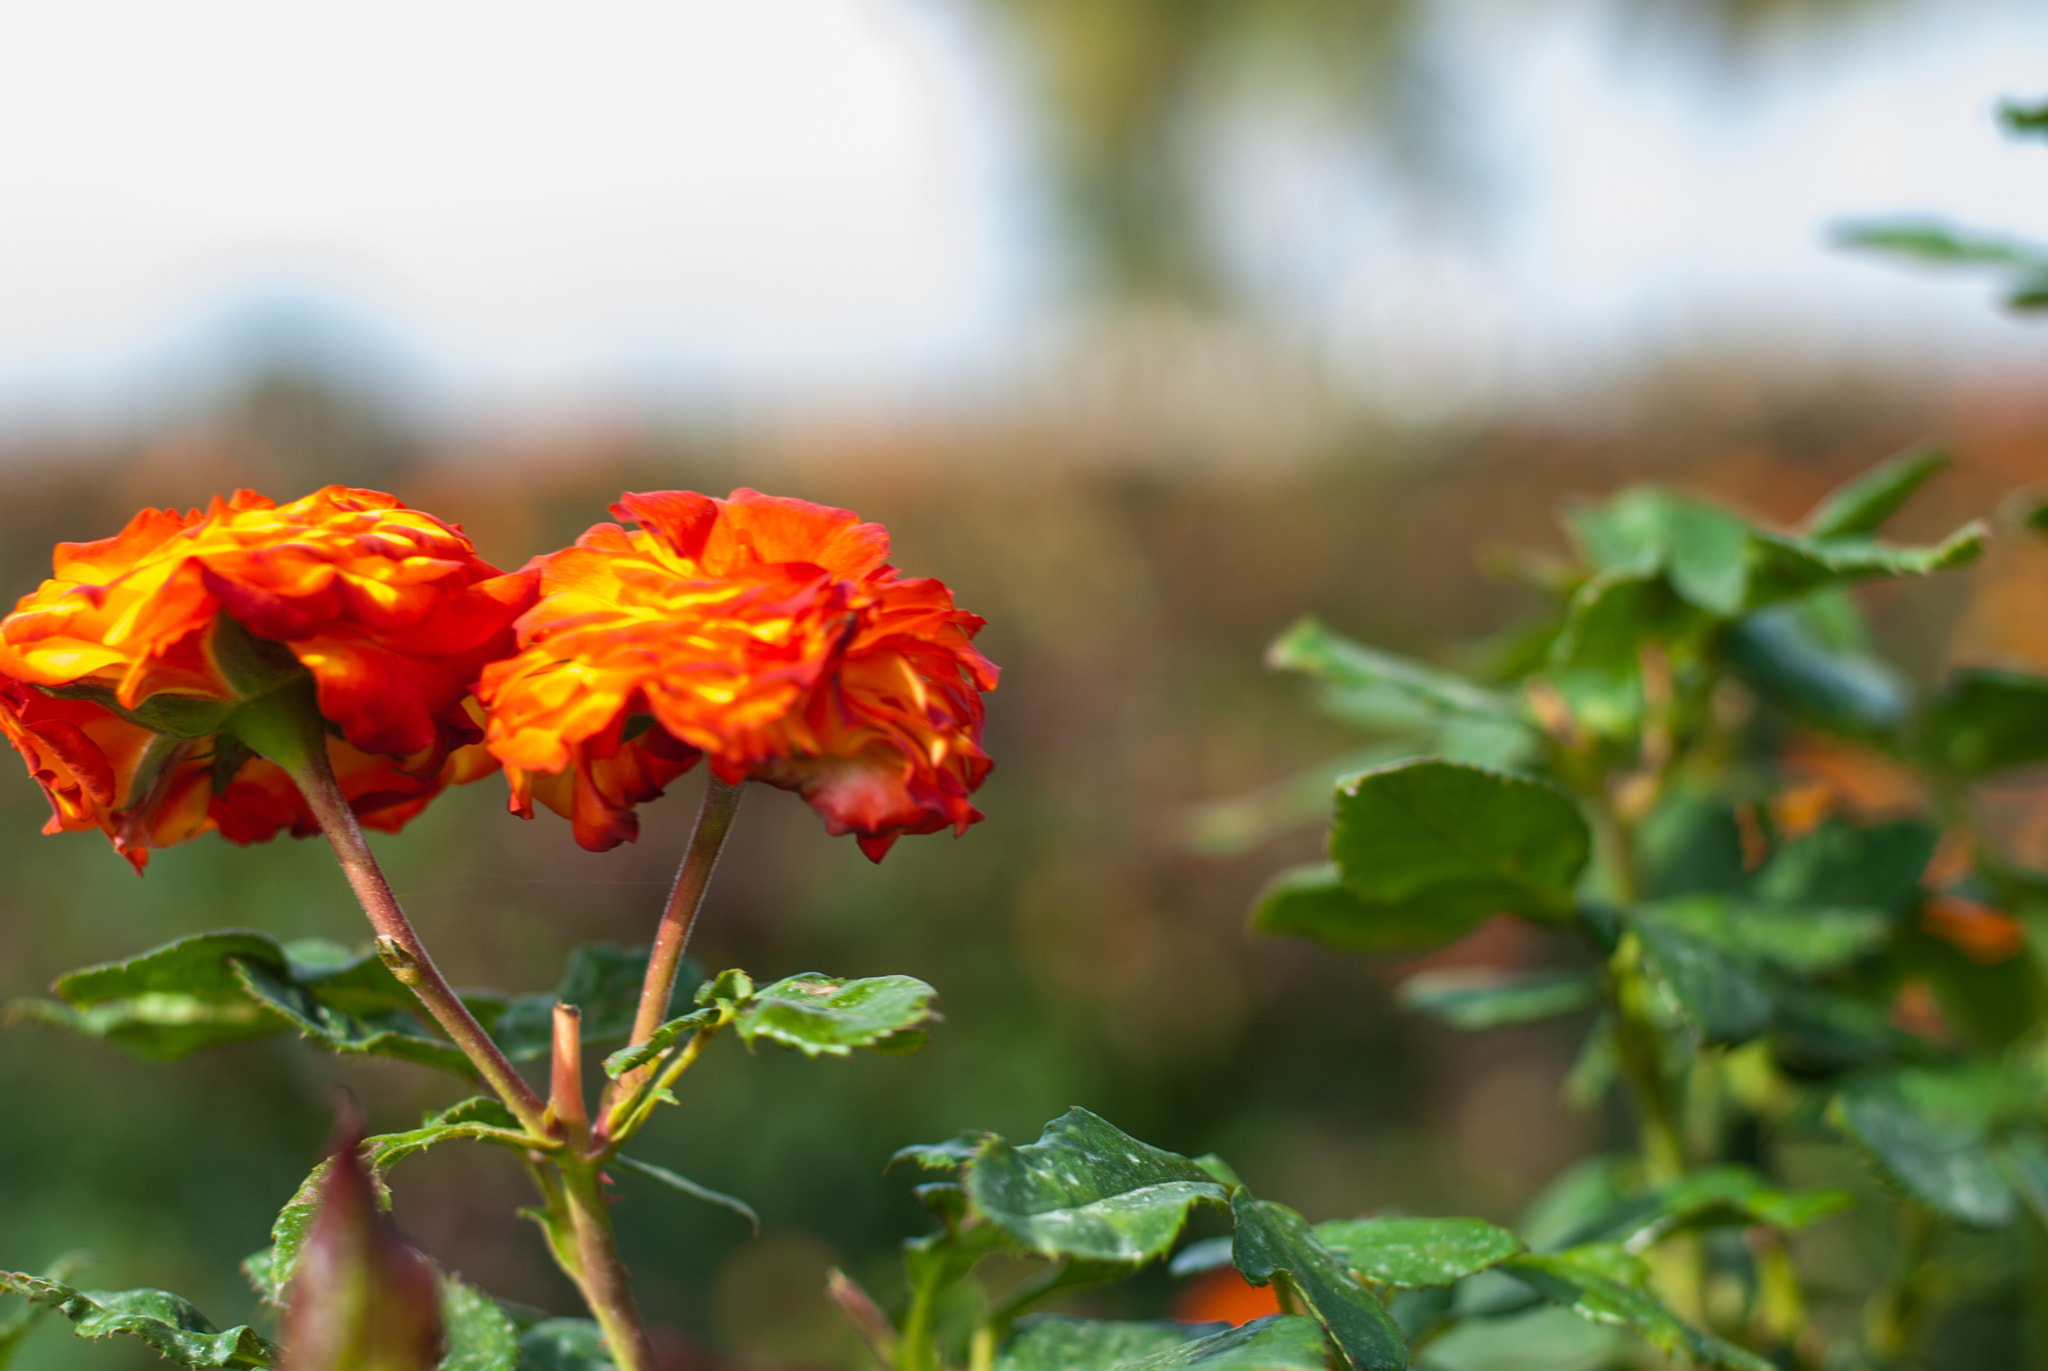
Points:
x=390, y=611
x=764, y=634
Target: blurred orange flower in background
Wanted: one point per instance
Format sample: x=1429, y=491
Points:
x=390, y=611
x=765, y=634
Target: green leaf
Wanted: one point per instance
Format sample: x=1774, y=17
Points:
x=1930, y=1134
x=1807, y=940
x=1851, y=693
x=271, y=1271
x=1928, y=241
x=1274, y=1241
x=480, y=1118
x=1058, y=1342
x=1604, y=1284
x=1225, y=828
x=564, y=1345
x=660, y=1040
x=2021, y=118
x=1414, y=1253
x=16, y=1327
x=167, y=1002
x=1720, y=998
x=601, y=979
x=1719, y=1196
x=1367, y=675
x=1858, y=507
x=1987, y=721
x=170, y=1325
x=1700, y=547
x=481, y=1336
x=1087, y=1189
x=1839, y=866
x=1726, y=567
x=1312, y=902
x=234, y=984
x=1483, y=997
x=1278, y=1342
x=685, y=1186
x=1786, y=567
x=1595, y=663
x=388, y=1033
x=1429, y=849
x=830, y=1016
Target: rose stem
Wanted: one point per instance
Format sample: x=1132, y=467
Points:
x=600, y=1274
x=714, y=821
x=565, y=1083
x=398, y=944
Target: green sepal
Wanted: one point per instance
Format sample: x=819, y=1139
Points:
x=1272, y=1241
x=167, y=1323
x=1058, y=1342
x=1484, y=997
x=1087, y=1189
x=830, y=1016
x=170, y=715
x=683, y=1185
x=1604, y=1283
x=1416, y=1253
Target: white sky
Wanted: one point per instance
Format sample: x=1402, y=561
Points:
x=554, y=203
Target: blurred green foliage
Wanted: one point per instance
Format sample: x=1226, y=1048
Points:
x=1083, y=953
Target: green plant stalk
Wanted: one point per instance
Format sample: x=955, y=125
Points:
x=1641, y=1056
x=1897, y=1313
x=600, y=1274
x=914, y=1351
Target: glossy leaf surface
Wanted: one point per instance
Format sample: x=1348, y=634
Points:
x=1930, y=1134
x=1274, y=1241
x=830, y=1016
x=1087, y=1189
x=1414, y=1253
x=1605, y=1284
x=1481, y=997
x=168, y=1324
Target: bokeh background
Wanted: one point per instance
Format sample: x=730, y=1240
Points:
x=1148, y=325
